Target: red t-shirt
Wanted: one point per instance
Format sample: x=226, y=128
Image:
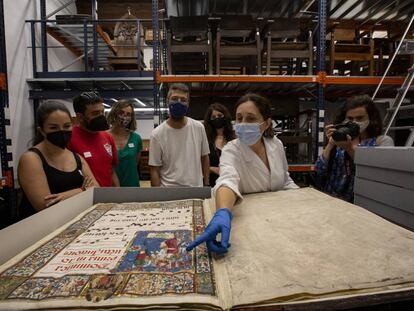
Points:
x=98, y=149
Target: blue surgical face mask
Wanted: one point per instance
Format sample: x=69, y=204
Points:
x=177, y=109
x=248, y=133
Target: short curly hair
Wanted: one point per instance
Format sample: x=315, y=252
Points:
x=178, y=87
x=84, y=99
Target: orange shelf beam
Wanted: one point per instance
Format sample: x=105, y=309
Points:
x=301, y=168
x=234, y=78
x=3, y=84
x=7, y=180
x=363, y=80
x=320, y=78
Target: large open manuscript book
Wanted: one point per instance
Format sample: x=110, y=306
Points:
x=296, y=246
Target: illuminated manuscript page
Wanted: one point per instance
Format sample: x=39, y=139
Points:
x=130, y=254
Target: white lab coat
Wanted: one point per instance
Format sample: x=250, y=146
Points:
x=244, y=172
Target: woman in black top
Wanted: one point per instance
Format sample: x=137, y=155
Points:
x=49, y=173
x=219, y=130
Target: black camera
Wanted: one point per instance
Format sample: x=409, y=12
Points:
x=348, y=128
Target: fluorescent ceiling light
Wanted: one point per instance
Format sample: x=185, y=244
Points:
x=149, y=109
x=140, y=102
x=143, y=109
x=379, y=34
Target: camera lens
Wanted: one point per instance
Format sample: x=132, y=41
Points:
x=340, y=134
x=342, y=130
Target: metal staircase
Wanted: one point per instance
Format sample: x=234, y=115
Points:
x=77, y=37
x=396, y=106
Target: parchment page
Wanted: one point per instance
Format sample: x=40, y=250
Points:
x=302, y=243
x=130, y=254
x=219, y=264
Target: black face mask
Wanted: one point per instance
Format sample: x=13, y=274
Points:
x=59, y=138
x=97, y=124
x=218, y=123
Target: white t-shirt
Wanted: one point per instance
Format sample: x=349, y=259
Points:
x=178, y=153
x=385, y=141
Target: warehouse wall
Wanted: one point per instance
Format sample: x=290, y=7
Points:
x=19, y=65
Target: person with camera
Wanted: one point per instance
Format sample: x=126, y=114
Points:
x=358, y=123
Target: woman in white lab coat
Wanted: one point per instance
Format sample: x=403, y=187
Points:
x=254, y=162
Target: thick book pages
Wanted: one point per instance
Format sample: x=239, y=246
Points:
x=116, y=255
x=295, y=246
x=303, y=245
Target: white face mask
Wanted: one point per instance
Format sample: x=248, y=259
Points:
x=362, y=125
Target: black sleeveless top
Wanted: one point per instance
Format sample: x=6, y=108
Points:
x=58, y=181
x=214, y=156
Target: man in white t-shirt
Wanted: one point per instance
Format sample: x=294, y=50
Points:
x=178, y=153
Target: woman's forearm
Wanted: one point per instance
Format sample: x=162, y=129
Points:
x=327, y=151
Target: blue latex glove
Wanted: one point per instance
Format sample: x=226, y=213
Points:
x=220, y=223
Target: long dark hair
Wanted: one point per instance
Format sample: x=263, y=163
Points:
x=374, y=128
x=42, y=113
x=263, y=104
x=211, y=130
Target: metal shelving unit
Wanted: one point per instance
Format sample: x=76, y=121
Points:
x=7, y=192
x=379, y=10
x=320, y=86
x=108, y=87
x=150, y=84
x=156, y=60
x=85, y=38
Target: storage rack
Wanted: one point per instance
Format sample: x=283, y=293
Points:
x=321, y=86
x=7, y=192
x=83, y=39
x=59, y=85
